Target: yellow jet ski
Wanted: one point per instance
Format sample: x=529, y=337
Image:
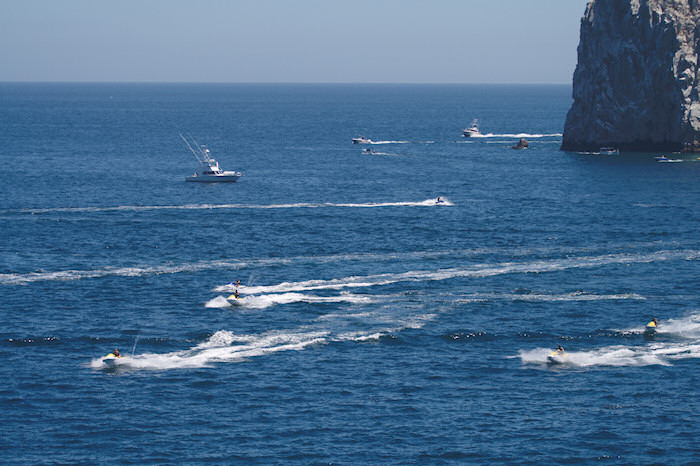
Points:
x=112, y=359
x=235, y=300
x=557, y=357
x=651, y=327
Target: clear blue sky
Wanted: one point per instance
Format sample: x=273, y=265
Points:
x=398, y=41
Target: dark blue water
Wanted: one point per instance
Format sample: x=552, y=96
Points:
x=376, y=326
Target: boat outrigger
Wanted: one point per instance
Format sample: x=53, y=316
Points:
x=210, y=171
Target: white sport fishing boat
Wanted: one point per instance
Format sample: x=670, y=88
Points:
x=473, y=129
x=609, y=151
x=361, y=140
x=210, y=172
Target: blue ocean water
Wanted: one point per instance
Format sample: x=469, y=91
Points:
x=376, y=325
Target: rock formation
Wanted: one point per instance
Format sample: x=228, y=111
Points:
x=635, y=85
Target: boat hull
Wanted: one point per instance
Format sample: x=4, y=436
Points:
x=213, y=178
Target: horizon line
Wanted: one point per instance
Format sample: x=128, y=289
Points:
x=299, y=82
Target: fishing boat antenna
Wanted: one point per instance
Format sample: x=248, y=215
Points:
x=190, y=147
x=204, y=152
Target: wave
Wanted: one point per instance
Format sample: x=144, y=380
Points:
x=298, y=205
x=265, y=301
x=480, y=270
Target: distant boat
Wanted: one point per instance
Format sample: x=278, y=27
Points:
x=664, y=159
x=473, y=129
x=609, y=151
x=210, y=172
x=368, y=151
x=361, y=140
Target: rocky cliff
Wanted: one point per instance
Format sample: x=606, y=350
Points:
x=635, y=85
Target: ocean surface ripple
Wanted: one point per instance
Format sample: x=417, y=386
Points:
x=375, y=324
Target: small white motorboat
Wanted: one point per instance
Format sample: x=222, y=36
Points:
x=361, y=140
x=210, y=172
x=473, y=129
x=664, y=159
x=609, y=151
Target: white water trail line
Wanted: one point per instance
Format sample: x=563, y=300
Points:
x=139, y=271
x=223, y=346
x=516, y=136
x=479, y=270
x=401, y=142
x=683, y=333
x=265, y=301
x=299, y=205
x=577, y=296
x=662, y=354
x=228, y=347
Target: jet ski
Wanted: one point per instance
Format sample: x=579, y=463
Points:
x=234, y=300
x=651, y=327
x=557, y=357
x=440, y=201
x=111, y=360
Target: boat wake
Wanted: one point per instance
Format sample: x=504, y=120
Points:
x=477, y=270
x=402, y=142
x=265, y=301
x=576, y=296
x=516, y=136
x=146, y=208
x=223, y=346
x=227, y=347
x=682, y=342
